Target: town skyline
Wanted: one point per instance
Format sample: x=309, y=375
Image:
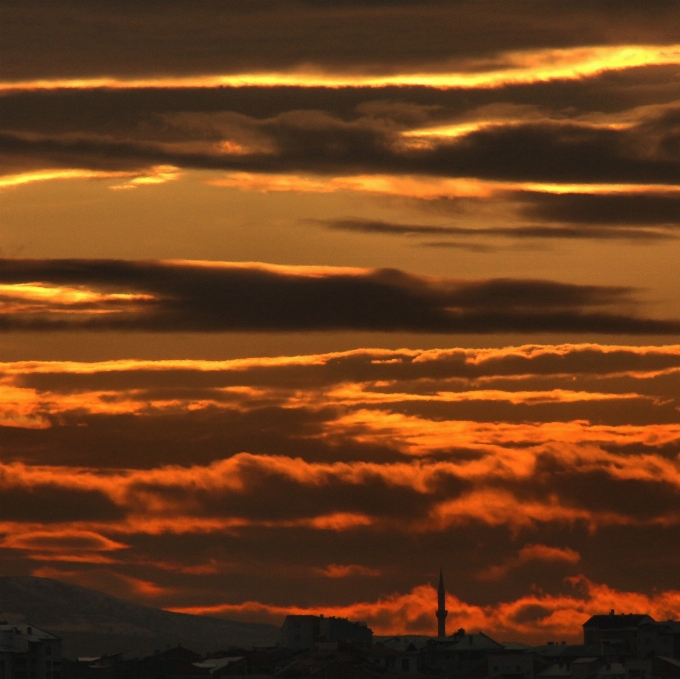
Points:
x=613, y=644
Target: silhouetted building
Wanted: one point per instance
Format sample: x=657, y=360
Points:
x=565, y=654
x=461, y=654
x=658, y=639
x=300, y=631
x=394, y=660
x=94, y=667
x=28, y=652
x=513, y=664
x=666, y=668
x=441, y=606
x=615, y=630
x=304, y=631
x=254, y=662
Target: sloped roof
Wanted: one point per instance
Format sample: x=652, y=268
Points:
x=30, y=632
x=617, y=621
x=562, y=650
x=555, y=671
x=469, y=642
x=516, y=646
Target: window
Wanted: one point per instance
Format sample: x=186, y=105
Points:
x=405, y=664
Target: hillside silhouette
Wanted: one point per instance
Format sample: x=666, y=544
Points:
x=94, y=623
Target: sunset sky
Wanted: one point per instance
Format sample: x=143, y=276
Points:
x=302, y=301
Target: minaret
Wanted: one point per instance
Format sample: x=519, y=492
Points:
x=441, y=607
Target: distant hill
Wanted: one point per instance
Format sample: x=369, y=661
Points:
x=93, y=623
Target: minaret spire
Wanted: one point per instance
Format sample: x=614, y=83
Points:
x=441, y=606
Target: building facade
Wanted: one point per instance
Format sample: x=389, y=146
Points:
x=615, y=630
x=28, y=652
x=304, y=631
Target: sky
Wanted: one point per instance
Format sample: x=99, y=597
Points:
x=301, y=302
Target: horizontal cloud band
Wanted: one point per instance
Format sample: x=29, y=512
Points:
x=310, y=142
x=218, y=297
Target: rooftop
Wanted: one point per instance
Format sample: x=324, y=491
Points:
x=30, y=632
x=461, y=641
x=617, y=621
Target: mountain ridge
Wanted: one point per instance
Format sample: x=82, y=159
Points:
x=94, y=623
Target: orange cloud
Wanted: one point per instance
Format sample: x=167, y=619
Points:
x=337, y=521
x=425, y=188
x=335, y=570
x=419, y=138
x=232, y=474
x=92, y=558
x=535, y=351
x=22, y=407
x=418, y=436
x=502, y=508
x=12, y=180
x=527, y=66
x=527, y=554
x=355, y=394
x=158, y=174
x=37, y=298
x=470, y=356
x=153, y=505
x=496, y=456
x=59, y=540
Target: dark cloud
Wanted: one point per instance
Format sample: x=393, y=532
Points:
x=289, y=501
x=218, y=298
x=131, y=441
x=52, y=504
x=179, y=37
x=608, y=412
x=600, y=492
x=368, y=226
x=152, y=113
x=517, y=232
x=316, y=142
x=554, y=153
x=605, y=210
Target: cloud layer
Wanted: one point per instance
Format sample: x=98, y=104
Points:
x=538, y=463
x=442, y=172
x=214, y=297
x=377, y=37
